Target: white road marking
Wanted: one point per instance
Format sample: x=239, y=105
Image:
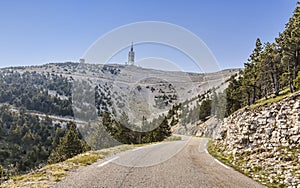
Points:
x=108, y=161
x=148, y=146
x=135, y=149
x=222, y=164
x=206, y=151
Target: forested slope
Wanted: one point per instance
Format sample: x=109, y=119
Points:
x=271, y=68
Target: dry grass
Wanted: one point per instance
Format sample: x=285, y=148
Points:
x=267, y=102
x=173, y=138
x=51, y=174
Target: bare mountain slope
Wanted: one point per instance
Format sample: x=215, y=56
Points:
x=137, y=91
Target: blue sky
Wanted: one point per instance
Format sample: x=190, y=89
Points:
x=37, y=32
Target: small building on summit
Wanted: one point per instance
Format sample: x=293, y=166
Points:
x=81, y=61
x=130, y=56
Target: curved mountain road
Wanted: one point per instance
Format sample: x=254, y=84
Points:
x=184, y=163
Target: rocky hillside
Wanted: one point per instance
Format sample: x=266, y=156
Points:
x=264, y=142
x=137, y=91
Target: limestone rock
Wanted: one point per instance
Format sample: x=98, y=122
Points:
x=270, y=138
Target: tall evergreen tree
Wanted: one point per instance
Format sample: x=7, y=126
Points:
x=270, y=61
x=252, y=84
x=205, y=109
x=69, y=146
x=289, y=42
x=234, y=96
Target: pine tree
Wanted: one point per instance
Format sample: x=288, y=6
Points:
x=270, y=60
x=234, y=96
x=251, y=74
x=69, y=146
x=99, y=137
x=289, y=42
x=162, y=131
x=205, y=109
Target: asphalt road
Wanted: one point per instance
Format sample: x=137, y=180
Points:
x=184, y=163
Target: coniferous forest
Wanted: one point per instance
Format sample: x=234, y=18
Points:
x=31, y=90
x=272, y=69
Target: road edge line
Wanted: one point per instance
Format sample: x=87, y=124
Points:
x=222, y=164
x=138, y=148
x=108, y=161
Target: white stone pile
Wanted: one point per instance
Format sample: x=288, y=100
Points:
x=265, y=142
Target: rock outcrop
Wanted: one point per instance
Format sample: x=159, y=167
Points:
x=264, y=142
x=209, y=128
